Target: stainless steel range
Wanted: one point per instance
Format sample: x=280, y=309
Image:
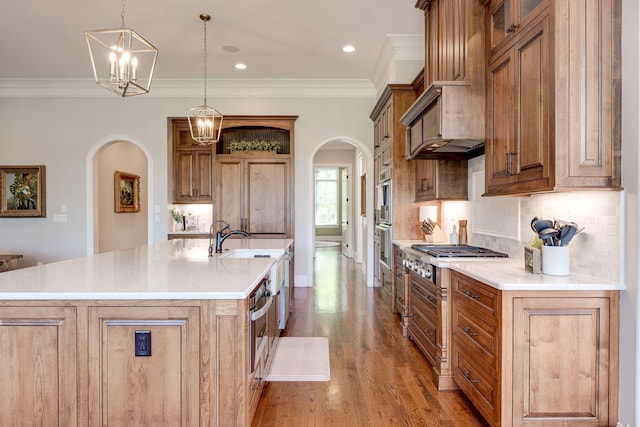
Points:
x=458, y=251
x=417, y=260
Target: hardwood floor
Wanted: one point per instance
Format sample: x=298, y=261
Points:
x=378, y=378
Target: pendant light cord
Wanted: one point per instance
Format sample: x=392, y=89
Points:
x=122, y=12
x=205, y=18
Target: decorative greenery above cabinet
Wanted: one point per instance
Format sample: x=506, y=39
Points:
x=256, y=133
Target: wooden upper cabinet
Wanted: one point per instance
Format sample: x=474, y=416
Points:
x=553, y=96
x=192, y=166
x=588, y=93
x=518, y=157
x=509, y=17
x=441, y=180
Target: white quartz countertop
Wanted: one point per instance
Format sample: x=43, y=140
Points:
x=174, y=269
x=510, y=274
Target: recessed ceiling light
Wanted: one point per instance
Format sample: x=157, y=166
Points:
x=241, y=66
x=231, y=48
x=348, y=49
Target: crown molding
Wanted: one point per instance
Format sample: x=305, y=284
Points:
x=219, y=88
x=396, y=48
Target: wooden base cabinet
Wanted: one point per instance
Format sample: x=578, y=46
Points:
x=38, y=369
x=536, y=358
x=74, y=363
x=127, y=389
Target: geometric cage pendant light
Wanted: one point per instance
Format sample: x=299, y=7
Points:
x=205, y=122
x=123, y=61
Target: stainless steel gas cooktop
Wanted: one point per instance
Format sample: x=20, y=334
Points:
x=457, y=251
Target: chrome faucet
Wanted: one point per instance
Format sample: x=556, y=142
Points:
x=221, y=236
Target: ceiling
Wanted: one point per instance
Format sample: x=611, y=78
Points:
x=277, y=39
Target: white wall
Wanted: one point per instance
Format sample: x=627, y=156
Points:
x=629, y=413
x=69, y=127
x=120, y=230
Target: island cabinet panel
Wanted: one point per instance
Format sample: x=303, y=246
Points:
x=536, y=358
x=161, y=389
x=38, y=369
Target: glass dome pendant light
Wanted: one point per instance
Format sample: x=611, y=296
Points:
x=205, y=122
x=123, y=61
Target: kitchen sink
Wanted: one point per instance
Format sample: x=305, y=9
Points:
x=252, y=253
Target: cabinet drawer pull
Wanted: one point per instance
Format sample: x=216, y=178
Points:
x=467, y=375
x=428, y=332
x=471, y=295
x=511, y=28
x=469, y=331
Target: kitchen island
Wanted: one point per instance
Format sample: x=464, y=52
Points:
x=526, y=349
x=156, y=335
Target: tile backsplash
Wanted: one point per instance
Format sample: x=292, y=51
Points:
x=201, y=212
x=596, y=251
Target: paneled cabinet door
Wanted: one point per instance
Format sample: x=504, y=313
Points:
x=564, y=347
x=38, y=369
x=518, y=151
x=510, y=17
x=254, y=194
x=161, y=389
x=192, y=176
x=441, y=180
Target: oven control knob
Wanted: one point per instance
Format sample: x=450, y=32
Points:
x=427, y=274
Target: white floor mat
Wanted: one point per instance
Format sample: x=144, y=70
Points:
x=301, y=359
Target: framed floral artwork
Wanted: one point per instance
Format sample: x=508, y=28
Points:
x=22, y=191
x=127, y=192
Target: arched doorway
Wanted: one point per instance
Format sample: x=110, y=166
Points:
x=125, y=154
x=362, y=233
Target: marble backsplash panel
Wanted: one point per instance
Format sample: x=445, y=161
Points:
x=595, y=251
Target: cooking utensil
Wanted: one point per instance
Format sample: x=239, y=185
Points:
x=542, y=224
x=566, y=234
x=549, y=236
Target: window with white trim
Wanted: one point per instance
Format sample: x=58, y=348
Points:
x=327, y=196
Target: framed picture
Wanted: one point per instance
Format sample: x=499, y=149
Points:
x=127, y=192
x=22, y=191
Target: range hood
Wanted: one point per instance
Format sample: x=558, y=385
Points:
x=444, y=123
